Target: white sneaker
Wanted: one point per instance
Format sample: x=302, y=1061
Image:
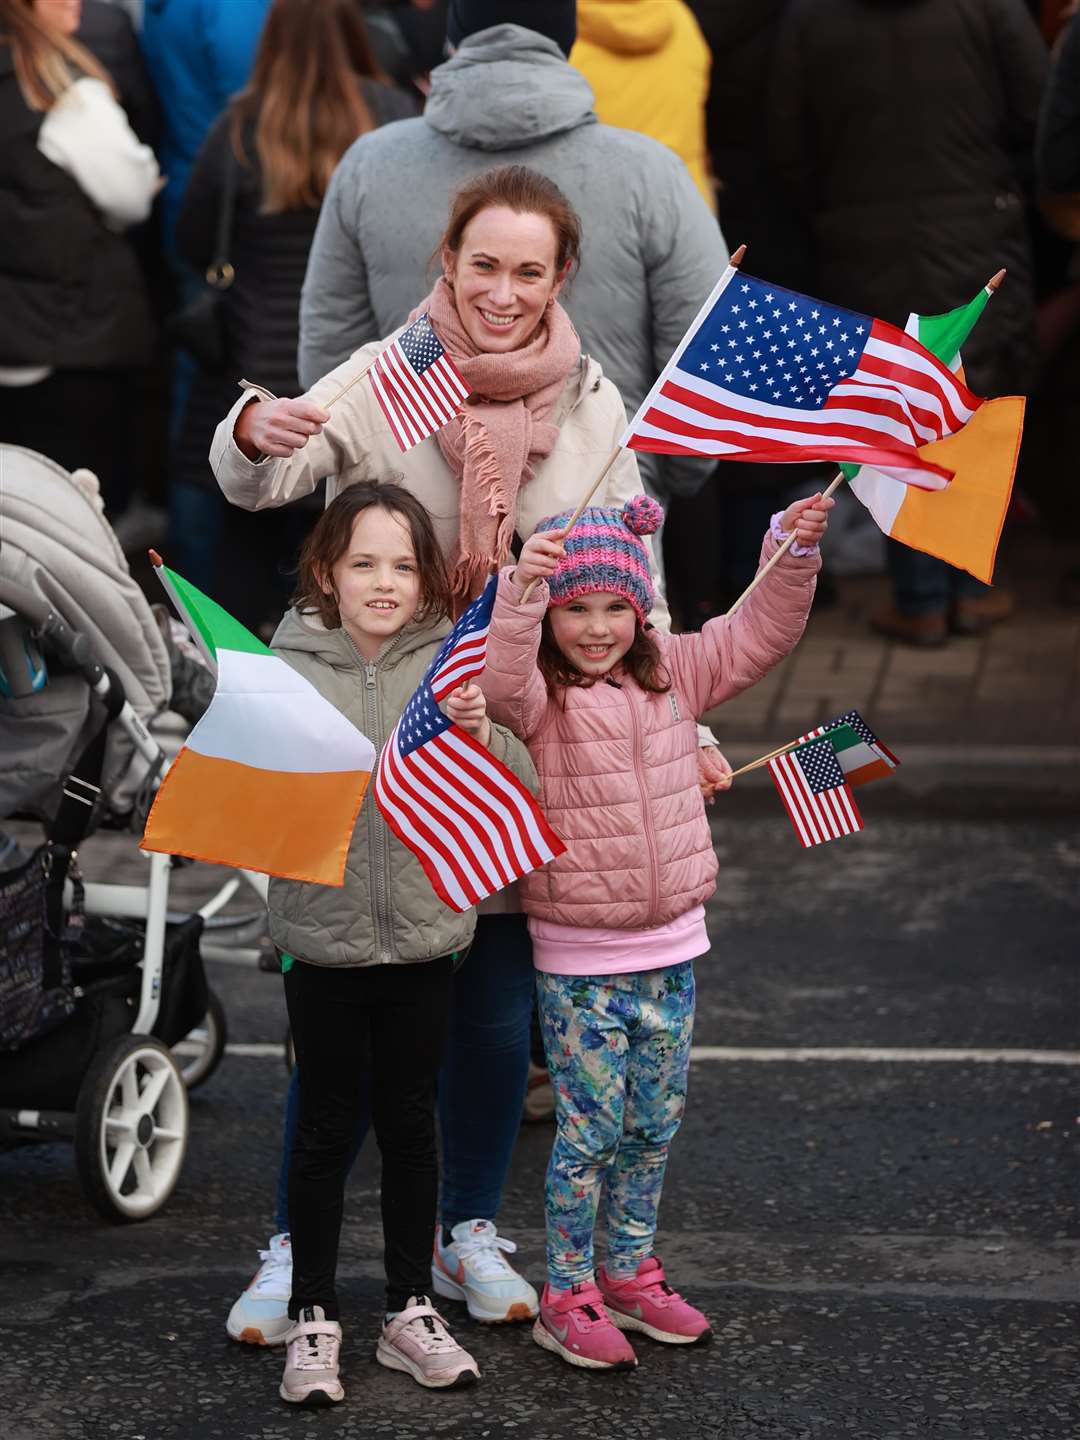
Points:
x=473, y=1268
x=261, y=1315
x=417, y=1342
x=311, y=1361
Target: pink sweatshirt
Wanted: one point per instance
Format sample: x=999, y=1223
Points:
x=618, y=767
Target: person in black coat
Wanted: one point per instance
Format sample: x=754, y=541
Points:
x=903, y=130
x=313, y=55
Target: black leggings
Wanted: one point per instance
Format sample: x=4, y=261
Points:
x=391, y=1018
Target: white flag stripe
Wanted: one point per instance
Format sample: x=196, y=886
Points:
x=472, y=648
x=403, y=436
x=402, y=394
x=863, y=385
x=483, y=837
x=408, y=423
x=941, y=379
x=389, y=805
x=804, y=823
x=835, y=418
x=406, y=792
x=866, y=382
x=651, y=431
x=309, y=736
x=450, y=387
x=515, y=801
x=474, y=830
x=453, y=675
x=849, y=810
x=856, y=415
x=410, y=387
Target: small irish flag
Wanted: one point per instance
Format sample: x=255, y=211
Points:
x=961, y=523
x=861, y=754
x=272, y=777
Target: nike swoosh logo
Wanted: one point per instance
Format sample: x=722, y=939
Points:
x=458, y=1276
x=560, y=1335
x=634, y=1311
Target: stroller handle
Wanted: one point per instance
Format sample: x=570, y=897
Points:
x=53, y=630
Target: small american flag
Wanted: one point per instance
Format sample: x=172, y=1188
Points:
x=815, y=794
x=417, y=385
x=469, y=821
x=767, y=374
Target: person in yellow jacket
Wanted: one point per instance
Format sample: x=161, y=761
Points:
x=648, y=65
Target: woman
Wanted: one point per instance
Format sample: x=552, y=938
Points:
x=73, y=177
x=314, y=88
x=541, y=423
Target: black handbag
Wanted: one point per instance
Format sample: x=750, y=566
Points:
x=199, y=327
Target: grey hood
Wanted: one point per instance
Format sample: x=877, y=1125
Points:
x=506, y=88
x=308, y=635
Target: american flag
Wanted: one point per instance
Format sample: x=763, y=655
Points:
x=766, y=374
x=417, y=384
x=469, y=821
x=862, y=755
x=815, y=794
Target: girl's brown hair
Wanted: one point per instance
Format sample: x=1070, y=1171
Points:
x=524, y=191
x=331, y=538
x=46, y=62
x=641, y=662
x=304, y=98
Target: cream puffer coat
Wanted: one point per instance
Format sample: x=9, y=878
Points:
x=386, y=913
x=617, y=765
x=358, y=444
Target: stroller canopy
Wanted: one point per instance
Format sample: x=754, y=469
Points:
x=56, y=542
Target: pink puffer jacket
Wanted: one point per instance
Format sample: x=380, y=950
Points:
x=618, y=767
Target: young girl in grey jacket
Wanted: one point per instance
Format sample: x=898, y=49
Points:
x=368, y=967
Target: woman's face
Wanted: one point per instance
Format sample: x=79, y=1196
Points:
x=62, y=15
x=503, y=276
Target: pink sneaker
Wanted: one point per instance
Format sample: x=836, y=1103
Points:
x=646, y=1302
x=418, y=1342
x=574, y=1324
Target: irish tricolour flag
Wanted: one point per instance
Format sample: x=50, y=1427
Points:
x=961, y=523
x=272, y=777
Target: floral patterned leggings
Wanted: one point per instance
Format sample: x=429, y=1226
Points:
x=618, y=1049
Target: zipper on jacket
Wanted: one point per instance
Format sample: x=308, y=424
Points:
x=378, y=835
x=646, y=817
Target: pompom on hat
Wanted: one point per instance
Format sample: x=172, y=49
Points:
x=605, y=554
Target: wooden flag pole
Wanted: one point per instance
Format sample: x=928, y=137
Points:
x=734, y=262
x=838, y=480
x=350, y=383
x=764, y=759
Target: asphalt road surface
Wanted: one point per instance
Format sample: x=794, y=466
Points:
x=887, y=1243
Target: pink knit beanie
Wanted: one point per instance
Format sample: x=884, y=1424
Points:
x=605, y=555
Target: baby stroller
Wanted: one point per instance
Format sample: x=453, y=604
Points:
x=97, y=981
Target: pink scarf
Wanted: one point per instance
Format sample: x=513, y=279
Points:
x=503, y=429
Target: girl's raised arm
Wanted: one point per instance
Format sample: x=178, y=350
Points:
x=515, y=689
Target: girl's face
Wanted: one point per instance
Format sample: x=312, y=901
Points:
x=62, y=15
x=503, y=276
x=594, y=632
x=377, y=580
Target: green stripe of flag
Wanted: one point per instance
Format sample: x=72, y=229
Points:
x=208, y=622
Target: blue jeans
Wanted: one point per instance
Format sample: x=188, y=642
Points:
x=482, y=1081
x=924, y=585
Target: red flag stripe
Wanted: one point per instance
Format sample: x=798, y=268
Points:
x=445, y=810
x=539, y=843
x=471, y=812
x=915, y=387
x=402, y=379
x=490, y=798
x=403, y=437
x=443, y=870
x=885, y=340
x=806, y=429
x=805, y=822
x=426, y=400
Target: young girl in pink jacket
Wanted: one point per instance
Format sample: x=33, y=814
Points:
x=607, y=708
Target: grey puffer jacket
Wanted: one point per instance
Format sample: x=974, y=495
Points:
x=386, y=913
x=651, y=250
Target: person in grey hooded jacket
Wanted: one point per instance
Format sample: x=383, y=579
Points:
x=508, y=96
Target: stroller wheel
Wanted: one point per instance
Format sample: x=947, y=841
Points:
x=131, y=1128
x=199, y=1053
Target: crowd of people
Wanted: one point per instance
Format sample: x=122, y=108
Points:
x=278, y=186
